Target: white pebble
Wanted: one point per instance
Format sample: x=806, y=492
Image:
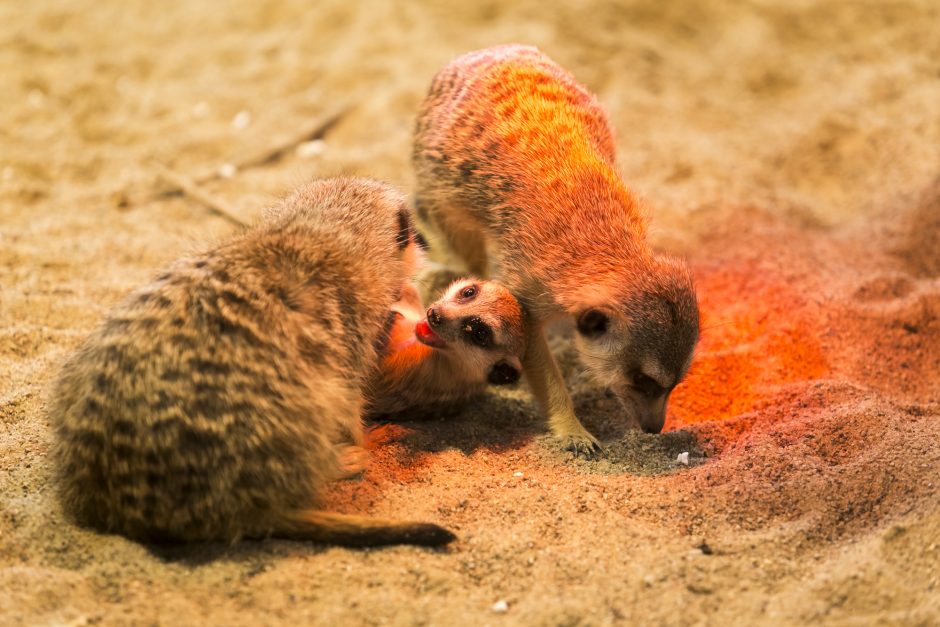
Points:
x=313, y=148
x=241, y=120
x=35, y=98
x=518, y=474
x=227, y=170
x=500, y=607
x=201, y=109
x=683, y=458
x=124, y=84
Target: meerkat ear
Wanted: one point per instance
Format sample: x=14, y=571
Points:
x=592, y=323
x=504, y=373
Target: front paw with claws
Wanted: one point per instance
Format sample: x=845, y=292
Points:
x=581, y=444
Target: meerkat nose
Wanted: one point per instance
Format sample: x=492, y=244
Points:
x=434, y=316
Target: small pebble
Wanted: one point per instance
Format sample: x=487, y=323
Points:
x=227, y=170
x=35, y=98
x=313, y=148
x=683, y=458
x=500, y=607
x=518, y=474
x=241, y=120
x=201, y=109
x=124, y=84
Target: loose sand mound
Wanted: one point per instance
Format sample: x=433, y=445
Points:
x=789, y=152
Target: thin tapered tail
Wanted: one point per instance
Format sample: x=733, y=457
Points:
x=360, y=531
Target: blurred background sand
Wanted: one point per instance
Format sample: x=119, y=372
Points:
x=789, y=150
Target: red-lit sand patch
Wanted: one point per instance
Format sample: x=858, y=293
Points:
x=751, y=338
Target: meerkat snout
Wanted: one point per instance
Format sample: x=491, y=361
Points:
x=643, y=351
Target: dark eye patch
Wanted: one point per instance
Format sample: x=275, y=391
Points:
x=477, y=332
x=404, y=229
x=503, y=373
x=647, y=386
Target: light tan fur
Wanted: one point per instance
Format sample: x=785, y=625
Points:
x=413, y=373
x=515, y=172
x=216, y=402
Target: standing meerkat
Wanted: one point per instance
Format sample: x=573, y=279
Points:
x=216, y=402
x=515, y=172
x=472, y=336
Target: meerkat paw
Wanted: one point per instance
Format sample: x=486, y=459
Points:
x=581, y=444
x=352, y=462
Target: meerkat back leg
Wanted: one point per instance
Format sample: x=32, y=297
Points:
x=469, y=244
x=434, y=279
x=455, y=237
x=548, y=386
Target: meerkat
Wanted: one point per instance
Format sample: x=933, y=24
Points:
x=515, y=175
x=214, y=403
x=471, y=337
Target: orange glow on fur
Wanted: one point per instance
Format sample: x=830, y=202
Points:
x=404, y=351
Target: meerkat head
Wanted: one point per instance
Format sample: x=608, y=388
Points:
x=374, y=214
x=639, y=341
x=480, y=324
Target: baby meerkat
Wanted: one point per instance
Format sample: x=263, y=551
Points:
x=472, y=336
x=515, y=169
x=217, y=401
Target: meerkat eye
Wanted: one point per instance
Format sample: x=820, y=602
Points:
x=647, y=386
x=477, y=332
x=468, y=292
x=593, y=323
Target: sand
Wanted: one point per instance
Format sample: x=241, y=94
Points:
x=789, y=150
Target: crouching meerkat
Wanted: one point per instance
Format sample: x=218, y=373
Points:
x=216, y=402
x=471, y=337
x=515, y=168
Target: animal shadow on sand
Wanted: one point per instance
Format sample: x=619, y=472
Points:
x=254, y=555
x=501, y=422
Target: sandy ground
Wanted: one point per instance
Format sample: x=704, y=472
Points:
x=790, y=150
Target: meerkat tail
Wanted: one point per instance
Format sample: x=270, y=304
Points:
x=360, y=531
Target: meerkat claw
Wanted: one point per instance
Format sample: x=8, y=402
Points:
x=582, y=446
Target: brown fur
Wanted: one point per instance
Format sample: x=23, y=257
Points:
x=515, y=167
x=216, y=402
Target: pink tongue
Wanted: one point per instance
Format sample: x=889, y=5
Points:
x=423, y=331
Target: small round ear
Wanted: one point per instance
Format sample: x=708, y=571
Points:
x=503, y=373
x=592, y=323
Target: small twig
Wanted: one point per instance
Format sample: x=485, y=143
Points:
x=316, y=130
x=190, y=188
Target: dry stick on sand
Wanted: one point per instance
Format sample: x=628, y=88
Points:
x=313, y=132
x=187, y=186
x=317, y=129
x=178, y=182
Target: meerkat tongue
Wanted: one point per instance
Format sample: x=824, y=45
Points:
x=427, y=336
